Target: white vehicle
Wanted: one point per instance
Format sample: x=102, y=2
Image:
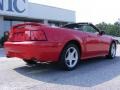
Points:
x=117, y=39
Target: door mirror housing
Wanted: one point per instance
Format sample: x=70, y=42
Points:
x=102, y=32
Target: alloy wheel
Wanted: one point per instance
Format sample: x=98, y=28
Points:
x=71, y=57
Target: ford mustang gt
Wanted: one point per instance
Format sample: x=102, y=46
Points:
x=67, y=45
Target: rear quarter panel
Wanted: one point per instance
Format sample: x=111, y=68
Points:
x=62, y=36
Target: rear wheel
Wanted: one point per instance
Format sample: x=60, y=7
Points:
x=70, y=57
x=112, y=51
x=30, y=62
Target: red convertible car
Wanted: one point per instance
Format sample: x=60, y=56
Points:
x=34, y=42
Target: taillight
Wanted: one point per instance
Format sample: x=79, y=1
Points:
x=10, y=37
x=35, y=35
x=27, y=35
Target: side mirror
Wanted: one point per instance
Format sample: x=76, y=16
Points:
x=102, y=32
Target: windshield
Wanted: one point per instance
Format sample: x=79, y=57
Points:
x=74, y=26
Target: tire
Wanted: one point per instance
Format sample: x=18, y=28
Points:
x=70, y=57
x=112, y=51
x=30, y=62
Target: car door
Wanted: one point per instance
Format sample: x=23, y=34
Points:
x=91, y=41
x=104, y=44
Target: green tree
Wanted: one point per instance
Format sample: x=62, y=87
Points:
x=110, y=29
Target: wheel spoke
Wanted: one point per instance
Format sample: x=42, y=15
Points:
x=67, y=58
x=74, y=51
x=70, y=62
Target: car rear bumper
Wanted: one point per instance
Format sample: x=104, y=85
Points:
x=42, y=51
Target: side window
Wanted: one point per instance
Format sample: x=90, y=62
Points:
x=90, y=29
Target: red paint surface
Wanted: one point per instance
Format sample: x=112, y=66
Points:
x=45, y=43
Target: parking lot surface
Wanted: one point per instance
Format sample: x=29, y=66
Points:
x=93, y=74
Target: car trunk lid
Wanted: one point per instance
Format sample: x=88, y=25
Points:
x=27, y=32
